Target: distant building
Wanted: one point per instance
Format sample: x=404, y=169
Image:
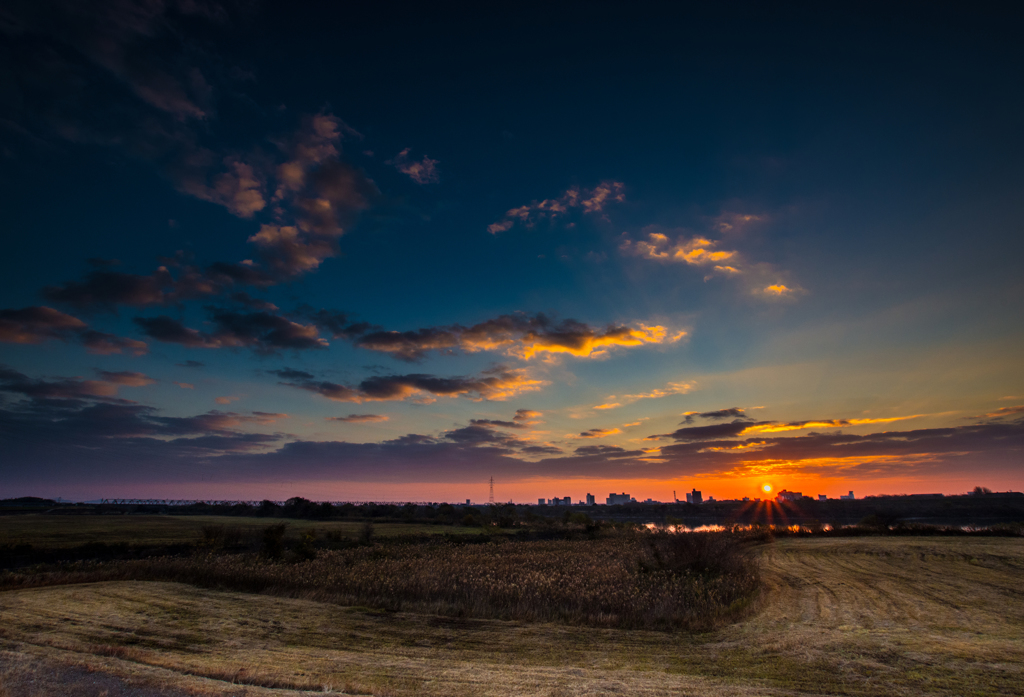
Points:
x=541, y=502
x=467, y=502
x=847, y=496
x=822, y=497
x=591, y=500
x=788, y=496
x=694, y=497
x=618, y=499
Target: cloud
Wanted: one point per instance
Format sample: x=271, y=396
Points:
x=519, y=335
x=172, y=331
x=421, y=172
x=494, y=423
x=695, y=251
x=496, y=385
x=107, y=289
x=731, y=222
x=1000, y=413
x=226, y=400
x=592, y=201
x=263, y=332
x=597, y=433
x=732, y=412
x=76, y=388
x=607, y=451
x=359, y=418
x=185, y=385
x=743, y=425
x=34, y=325
x=126, y=378
x=528, y=417
x=104, y=344
x=778, y=290
x=715, y=431
x=772, y=427
x=190, y=364
x=291, y=374
x=411, y=346
x=672, y=388
x=701, y=251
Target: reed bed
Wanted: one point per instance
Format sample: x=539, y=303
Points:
x=691, y=581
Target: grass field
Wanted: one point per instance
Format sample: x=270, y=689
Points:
x=52, y=531
x=858, y=616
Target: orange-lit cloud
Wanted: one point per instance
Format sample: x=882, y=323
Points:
x=185, y=385
x=671, y=388
x=592, y=201
x=696, y=251
x=830, y=423
x=226, y=400
x=1000, y=413
x=731, y=222
x=778, y=290
x=595, y=433
x=592, y=344
x=519, y=335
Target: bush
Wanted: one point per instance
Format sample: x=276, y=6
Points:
x=273, y=541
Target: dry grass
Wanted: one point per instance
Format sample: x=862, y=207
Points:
x=862, y=616
x=626, y=580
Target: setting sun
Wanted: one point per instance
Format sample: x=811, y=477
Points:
x=767, y=488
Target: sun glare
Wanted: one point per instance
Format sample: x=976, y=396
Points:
x=767, y=488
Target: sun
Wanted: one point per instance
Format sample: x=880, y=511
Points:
x=767, y=488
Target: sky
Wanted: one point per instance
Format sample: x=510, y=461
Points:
x=388, y=251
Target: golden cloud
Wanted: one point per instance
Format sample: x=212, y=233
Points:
x=830, y=423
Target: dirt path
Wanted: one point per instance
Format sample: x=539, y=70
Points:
x=862, y=616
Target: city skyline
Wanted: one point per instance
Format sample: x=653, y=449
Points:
x=257, y=252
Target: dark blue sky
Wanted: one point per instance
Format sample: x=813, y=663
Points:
x=449, y=215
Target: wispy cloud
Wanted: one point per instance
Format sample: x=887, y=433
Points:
x=695, y=251
x=359, y=418
x=590, y=201
x=420, y=171
x=672, y=388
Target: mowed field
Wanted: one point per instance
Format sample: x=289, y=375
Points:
x=52, y=531
x=858, y=616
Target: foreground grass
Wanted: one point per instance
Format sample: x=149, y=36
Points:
x=627, y=580
x=863, y=616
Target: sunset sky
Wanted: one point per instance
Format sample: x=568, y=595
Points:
x=370, y=251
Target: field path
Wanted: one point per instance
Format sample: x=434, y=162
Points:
x=857, y=616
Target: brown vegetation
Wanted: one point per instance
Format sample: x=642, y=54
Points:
x=688, y=581
x=837, y=616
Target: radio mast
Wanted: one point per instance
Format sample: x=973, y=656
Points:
x=492, y=490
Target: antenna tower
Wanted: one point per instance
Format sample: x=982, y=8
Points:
x=492, y=490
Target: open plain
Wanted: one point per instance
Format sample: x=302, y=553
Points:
x=858, y=616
